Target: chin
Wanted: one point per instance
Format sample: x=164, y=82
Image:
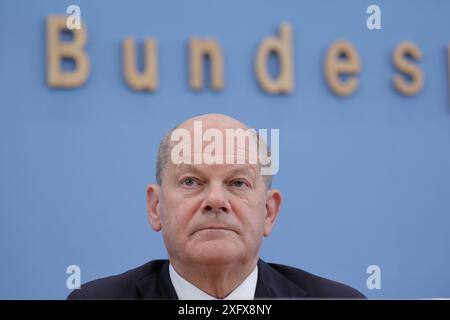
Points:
x=215, y=252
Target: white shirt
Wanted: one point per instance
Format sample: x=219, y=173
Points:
x=187, y=291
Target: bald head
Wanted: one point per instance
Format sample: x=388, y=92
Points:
x=209, y=121
x=213, y=120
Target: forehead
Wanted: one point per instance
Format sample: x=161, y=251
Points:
x=213, y=145
x=214, y=169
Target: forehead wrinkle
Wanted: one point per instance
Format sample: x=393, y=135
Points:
x=237, y=168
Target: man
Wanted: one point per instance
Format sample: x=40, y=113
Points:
x=213, y=216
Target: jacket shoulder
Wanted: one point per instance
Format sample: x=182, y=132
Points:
x=316, y=286
x=120, y=286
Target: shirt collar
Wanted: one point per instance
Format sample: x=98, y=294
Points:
x=187, y=291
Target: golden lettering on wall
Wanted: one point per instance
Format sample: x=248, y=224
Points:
x=341, y=67
x=146, y=80
x=282, y=46
x=414, y=86
x=448, y=71
x=58, y=50
x=198, y=50
x=342, y=59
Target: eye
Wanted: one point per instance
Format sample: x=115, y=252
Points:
x=239, y=183
x=188, y=182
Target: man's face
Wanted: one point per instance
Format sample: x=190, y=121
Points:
x=212, y=214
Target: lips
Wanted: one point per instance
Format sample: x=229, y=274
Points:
x=215, y=227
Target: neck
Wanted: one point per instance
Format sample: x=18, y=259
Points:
x=216, y=280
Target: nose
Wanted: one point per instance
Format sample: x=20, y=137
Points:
x=216, y=200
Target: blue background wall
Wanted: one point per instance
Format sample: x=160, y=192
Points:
x=366, y=179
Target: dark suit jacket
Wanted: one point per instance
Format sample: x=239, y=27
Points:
x=152, y=281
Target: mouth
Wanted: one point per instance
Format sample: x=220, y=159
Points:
x=215, y=228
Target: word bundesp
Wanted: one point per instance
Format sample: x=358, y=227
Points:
x=341, y=66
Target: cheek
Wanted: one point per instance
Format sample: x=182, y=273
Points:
x=176, y=212
x=251, y=213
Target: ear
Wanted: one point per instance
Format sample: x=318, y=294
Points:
x=273, y=203
x=153, y=194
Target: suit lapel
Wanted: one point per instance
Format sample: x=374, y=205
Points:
x=157, y=285
x=272, y=284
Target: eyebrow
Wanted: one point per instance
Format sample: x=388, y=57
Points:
x=243, y=168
